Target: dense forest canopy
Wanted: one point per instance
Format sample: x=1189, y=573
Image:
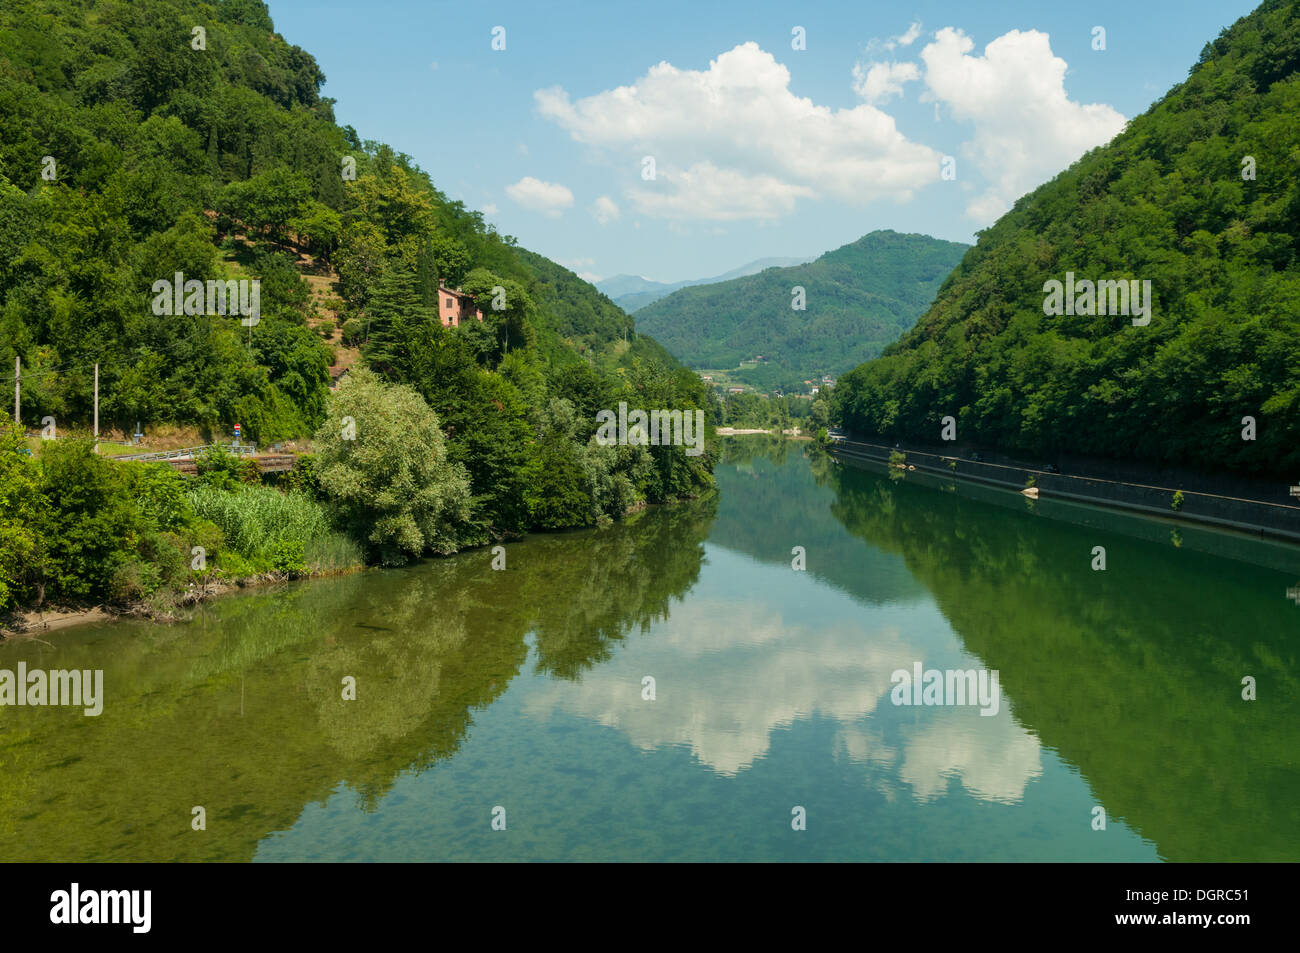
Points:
x=140, y=139
x=856, y=299
x=160, y=155
x=1200, y=196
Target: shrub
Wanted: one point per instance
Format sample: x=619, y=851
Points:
x=305, y=476
x=224, y=470
x=91, y=521
x=21, y=507
x=159, y=494
x=353, y=330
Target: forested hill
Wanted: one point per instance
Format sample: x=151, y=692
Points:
x=1200, y=196
x=857, y=299
x=132, y=146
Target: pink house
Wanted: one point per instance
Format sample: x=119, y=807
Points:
x=455, y=307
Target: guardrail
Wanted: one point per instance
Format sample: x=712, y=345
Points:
x=1261, y=517
x=186, y=453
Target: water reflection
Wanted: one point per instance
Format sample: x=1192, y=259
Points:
x=242, y=710
x=1119, y=688
x=1133, y=674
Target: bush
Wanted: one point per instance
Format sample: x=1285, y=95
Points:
x=159, y=492
x=91, y=521
x=304, y=477
x=353, y=329
x=224, y=470
x=21, y=507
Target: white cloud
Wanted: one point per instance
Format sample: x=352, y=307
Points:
x=732, y=673
x=733, y=141
x=879, y=81
x=908, y=38
x=605, y=210
x=490, y=208
x=1027, y=128
x=580, y=267
x=549, y=198
x=705, y=192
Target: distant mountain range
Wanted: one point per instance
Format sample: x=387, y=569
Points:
x=857, y=299
x=631, y=292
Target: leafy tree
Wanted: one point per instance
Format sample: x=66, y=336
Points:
x=387, y=476
x=89, y=520
x=268, y=202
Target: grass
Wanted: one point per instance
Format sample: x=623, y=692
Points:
x=105, y=449
x=262, y=524
x=334, y=552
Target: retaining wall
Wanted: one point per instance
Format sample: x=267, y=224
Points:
x=1274, y=520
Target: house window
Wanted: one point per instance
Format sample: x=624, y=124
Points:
x=450, y=302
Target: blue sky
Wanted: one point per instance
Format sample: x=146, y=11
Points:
x=759, y=149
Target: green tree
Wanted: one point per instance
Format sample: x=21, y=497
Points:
x=90, y=522
x=382, y=465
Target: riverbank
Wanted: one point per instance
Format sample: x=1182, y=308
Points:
x=170, y=607
x=27, y=623
x=793, y=432
x=1264, y=518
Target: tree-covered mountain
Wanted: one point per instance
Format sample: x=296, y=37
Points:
x=631, y=292
x=145, y=139
x=1200, y=196
x=133, y=147
x=857, y=299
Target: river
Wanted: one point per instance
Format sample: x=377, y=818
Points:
x=518, y=698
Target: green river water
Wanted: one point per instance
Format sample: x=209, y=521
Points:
x=522, y=689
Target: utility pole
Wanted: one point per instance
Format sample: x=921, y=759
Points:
x=97, y=408
x=18, y=376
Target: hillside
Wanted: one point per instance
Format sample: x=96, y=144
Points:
x=631, y=292
x=1200, y=197
x=858, y=299
x=136, y=145
x=221, y=162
